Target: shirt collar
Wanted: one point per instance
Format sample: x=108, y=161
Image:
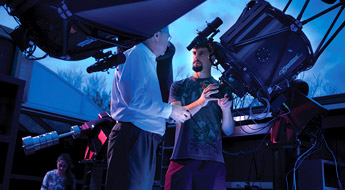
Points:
x=201, y=79
x=147, y=50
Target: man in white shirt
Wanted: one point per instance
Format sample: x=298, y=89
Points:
x=136, y=103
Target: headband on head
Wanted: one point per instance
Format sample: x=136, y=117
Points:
x=202, y=43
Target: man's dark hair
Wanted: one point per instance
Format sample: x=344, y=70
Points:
x=203, y=43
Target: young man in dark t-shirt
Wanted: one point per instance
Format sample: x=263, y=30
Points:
x=197, y=161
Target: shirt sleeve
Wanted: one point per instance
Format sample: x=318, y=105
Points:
x=175, y=92
x=45, y=182
x=135, y=80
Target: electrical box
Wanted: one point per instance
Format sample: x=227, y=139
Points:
x=319, y=174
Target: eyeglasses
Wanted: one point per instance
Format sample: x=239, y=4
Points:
x=169, y=37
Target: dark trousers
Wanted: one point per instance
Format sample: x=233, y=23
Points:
x=131, y=158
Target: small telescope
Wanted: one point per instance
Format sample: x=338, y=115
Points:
x=99, y=128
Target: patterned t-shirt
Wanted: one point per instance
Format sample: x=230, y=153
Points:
x=199, y=137
x=52, y=181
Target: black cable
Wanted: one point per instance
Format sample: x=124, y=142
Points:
x=255, y=167
x=196, y=123
x=335, y=162
x=250, y=169
x=249, y=151
x=301, y=158
x=253, y=161
x=37, y=58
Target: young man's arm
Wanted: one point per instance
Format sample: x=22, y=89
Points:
x=195, y=106
x=228, y=123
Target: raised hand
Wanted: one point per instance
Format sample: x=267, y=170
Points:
x=206, y=93
x=225, y=103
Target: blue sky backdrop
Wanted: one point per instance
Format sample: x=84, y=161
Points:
x=330, y=66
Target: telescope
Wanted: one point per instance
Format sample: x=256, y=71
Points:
x=265, y=50
x=261, y=55
x=96, y=131
x=78, y=29
x=106, y=61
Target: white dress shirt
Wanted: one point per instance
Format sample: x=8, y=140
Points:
x=135, y=95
